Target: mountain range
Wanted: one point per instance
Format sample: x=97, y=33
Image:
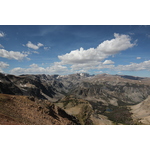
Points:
x=89, y=99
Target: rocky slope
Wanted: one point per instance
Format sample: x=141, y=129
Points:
x=141, y=112
x=84, y=111
x=115, y=90
x=23, y=110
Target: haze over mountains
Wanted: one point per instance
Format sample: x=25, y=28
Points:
x=91, y=99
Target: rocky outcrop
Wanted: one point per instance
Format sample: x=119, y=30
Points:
x=84, y=111
x=23, y=110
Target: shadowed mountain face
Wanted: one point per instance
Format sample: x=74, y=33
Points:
x=99, y=93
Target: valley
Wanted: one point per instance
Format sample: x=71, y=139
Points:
x=79, y=98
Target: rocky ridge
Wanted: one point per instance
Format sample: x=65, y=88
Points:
x=24, y=110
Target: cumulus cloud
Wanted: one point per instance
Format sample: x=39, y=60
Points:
x=118, y=44
x=102, y=66
x=86, y=66
x=3, y=65
x=57, y=68
x=106, y=62
x=82, y=56
x=34, y=65
x=20, y=70
x=105, y=49
x=12, y=54
x=2, y=34
x=135, y=66
x=33, y=46
x=40, y=45
x=131, y=67
x=92, y=57
x=34, y=68
x=138, y=57
x=82, y=60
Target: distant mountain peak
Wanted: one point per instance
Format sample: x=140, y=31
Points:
x=83, y=74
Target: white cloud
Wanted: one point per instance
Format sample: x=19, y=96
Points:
x=12, y=54
x=105, y=49
x=86, y=66
x=118, y=44
x=3, y=65
x=57, y=68
x=40, y=45
x=1, y=46
x=30, y=70
x=2, y=34
x=33, y=46
x=134, y=66
x=34, y=68
x=35, y=52
x=92, y=57
x=82, y=56
x=102, y=66
x=106, y=62
x=138, y=57
x=26, y=52
x=46, y=48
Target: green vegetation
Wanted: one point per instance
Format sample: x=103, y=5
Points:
x=98, y=107
x=119, y=115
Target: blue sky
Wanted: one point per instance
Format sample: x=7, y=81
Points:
x=67, y=49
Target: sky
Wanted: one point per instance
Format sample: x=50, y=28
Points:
x=68, y=49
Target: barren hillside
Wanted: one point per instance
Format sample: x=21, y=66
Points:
x=17, y=110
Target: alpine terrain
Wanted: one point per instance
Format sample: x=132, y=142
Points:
x=74, y=99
